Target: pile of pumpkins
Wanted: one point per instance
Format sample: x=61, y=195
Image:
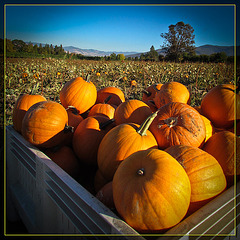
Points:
x=156, y=160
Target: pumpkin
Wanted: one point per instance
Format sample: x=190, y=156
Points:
x=151, y=91
x=218, y=105
x=105, y=195
x=24, y=102
x=209, y=127
x=65, y=158
x=88, y=135
x=122, y=141
x=152, y=105
x=78, y=93
x=116, y=93
x=178, y=123
x=205, y=173
x=132, y=111
x=103, y=109
x=99, y=181
x=151, y=190
x=74, y=118
x=45, y=124
x=222, y=146
x=171, y=92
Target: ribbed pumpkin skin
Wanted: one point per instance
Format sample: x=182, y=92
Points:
x=221, y=146
x=87, y=137
x=119, y=143
x=116, y=93
x=151, y=92
x=23, y=103
x=44, y=123
x=205, y=173
x=156, y=200
x=102, y=109
x=178, y=123
x=218, y=105
x=78, y=93
x=132, y=111
x=172, y=92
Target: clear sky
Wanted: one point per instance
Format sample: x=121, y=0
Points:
x=117, y=28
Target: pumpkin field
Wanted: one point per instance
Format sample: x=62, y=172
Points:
x=131, y=77
x=140, y=136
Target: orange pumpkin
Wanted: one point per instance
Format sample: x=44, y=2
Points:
x=122, y=141
x=178, y=123
x=88, y=135
x=132, y=111
x=151, y=190
x=172, y=92
x=116, y=93
x=151, y=91
x=103, y=109
x=105, y=195
x=24, y=102
x=221, y=146
x=218, y=105
x=65, y=158
x=205, y=173
x=99, y=181
x=74, y=118
x=45, y=124
x=209, y=127
x=152, y=105
x=78, y=93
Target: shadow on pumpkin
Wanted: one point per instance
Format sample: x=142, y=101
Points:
x=138, y=115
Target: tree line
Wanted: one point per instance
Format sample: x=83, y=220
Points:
x=178, y=46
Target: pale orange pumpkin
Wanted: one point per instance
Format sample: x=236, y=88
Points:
x=205, y=173
x=78, y=93
x=45, y=124
x=219, y=107
x=151, y=190
x=132, y=111
x=222, y=146
x=116, y=93
x=122, y=141
x=24, y=102
x=172, y=92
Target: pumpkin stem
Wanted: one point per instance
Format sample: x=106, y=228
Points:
x=140, y=172
x=146, y=92
x=107, y=99
x=68, y=129
x=103, y=125
x=171, y=122
x=88, y=78
x=34, y=89
x=155, y=88
x=142, y=130
x=73, y=110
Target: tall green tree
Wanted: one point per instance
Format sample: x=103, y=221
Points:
x=152, y=55
x=178, y=40
x=120, y=57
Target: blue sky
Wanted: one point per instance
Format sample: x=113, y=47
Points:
x=117, y=28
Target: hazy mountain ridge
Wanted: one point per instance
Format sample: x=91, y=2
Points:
x=93, y=52
x=204, y=49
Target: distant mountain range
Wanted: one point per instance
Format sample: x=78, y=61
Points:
x=205, y=49
x=93, y=52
